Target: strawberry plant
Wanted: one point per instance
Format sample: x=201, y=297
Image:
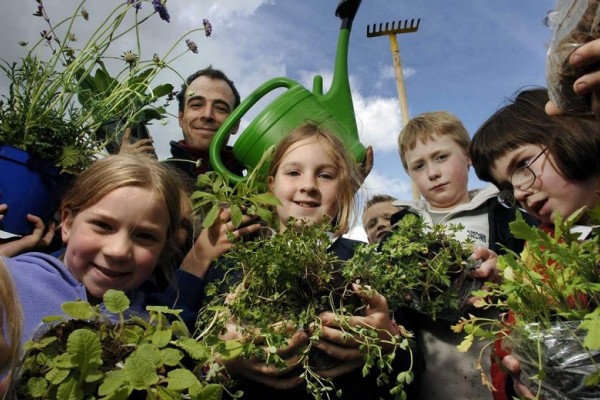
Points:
x=89, y=355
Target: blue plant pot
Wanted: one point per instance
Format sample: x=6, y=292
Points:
x=28, y=185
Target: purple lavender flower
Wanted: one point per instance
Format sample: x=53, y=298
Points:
x=160, y=8
x=207, y=27
x=40, y=11
x=136, y=3
x=192, y=46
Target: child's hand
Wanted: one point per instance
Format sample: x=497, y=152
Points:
x=586, y=55
x=140, y=147
x=367, y=164
x=514, y=367
x=487, y=270
x=267, y=374
x=338, y=345
x=213, y=242
x=39, y=238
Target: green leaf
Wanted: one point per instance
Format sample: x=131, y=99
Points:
x=196, y=350
x=162, y=90
x=181, y=379
x=79, y=309
x=149, y=353
x=161, y=338
x=592, y=324
x=171, y=357
x=167, y=394
x=37, y=387
x=116, y=301
x=56, y=375
x=85, y=349
x=69, y=390
x=231, y=349
x=210, y=392
x=112, y=382
x=141, y=373
x=211, y=216
x=265, y=198
x=236, y=215
x=102, y=81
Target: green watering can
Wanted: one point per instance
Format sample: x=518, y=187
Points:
x=334, y=110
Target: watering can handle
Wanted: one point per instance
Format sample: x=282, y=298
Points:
x=218, y=141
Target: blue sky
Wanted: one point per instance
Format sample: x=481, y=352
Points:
x=467, y=57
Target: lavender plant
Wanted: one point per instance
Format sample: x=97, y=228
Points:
x=61, y=91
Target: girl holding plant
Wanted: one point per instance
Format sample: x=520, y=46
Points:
x=118, y=219
x=315, y=179
x=548, y=166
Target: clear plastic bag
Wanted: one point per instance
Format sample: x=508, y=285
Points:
x=565, y=363
x=573, y=23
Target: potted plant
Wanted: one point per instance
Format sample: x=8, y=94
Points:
x=61, y=93
x=90, y=355
x=551, y=293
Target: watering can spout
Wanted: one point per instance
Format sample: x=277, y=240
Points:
x=297, y=105
x=339, y=98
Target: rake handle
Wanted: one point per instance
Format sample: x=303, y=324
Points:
x=402, y=98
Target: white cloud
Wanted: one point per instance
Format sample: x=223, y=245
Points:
x=377, y=183
x=221, y=11
x=378, y=121
x=387, y=72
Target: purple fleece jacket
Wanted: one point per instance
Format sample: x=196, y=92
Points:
x=43, y=283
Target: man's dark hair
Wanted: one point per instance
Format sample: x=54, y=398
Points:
x=212, y=73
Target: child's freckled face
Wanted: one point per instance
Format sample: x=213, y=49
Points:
x=116, y=243
x=306, y=183
x=440, y=170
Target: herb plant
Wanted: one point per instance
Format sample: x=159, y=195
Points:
x=248, y=197
x=420, y=266
x=552, y=294
x=89, y=356
x=284, y=283
x=287, y=280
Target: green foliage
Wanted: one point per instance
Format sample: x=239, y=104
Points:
x=555, y=280
x=417, y=265
x=286, y=282
x=88, y=356
x=248, y=197
x=60, y=91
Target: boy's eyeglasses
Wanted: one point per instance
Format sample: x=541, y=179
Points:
x=522, y=179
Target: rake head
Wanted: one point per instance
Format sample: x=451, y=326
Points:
x=403, y=27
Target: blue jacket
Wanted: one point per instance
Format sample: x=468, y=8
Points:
x=43, y=283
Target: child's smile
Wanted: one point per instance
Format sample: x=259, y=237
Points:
x=306, y=183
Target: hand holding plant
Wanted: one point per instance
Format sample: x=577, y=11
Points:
x=552, y=291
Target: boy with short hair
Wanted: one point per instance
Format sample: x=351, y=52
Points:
x=377, y=216
x=434, y=152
